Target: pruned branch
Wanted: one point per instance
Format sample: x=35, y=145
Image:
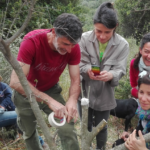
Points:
x=86, y=136
x=4, y=48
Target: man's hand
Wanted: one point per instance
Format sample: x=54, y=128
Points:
x=104, y=76
x=58, y=109
x=133, y=144
x=71, y=107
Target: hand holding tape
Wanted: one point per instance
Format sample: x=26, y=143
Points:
x=52, y=121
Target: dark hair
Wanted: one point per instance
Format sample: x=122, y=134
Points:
x=69, y=26
x=144, y=80
x=145, y=39
x=106, y=15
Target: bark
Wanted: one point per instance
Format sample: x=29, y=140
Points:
x=86, y=136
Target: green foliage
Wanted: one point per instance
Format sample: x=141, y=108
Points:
x=133, y=17
x=43, y=16
x=6, y=133
x=5, y=68
x=122, y=91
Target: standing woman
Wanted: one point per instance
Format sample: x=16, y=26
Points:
x=140, y=63
x=108, y=50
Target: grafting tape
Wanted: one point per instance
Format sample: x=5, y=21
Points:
x=53, y=123
x=84, y=101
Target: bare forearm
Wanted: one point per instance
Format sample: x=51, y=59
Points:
x=74, y=90
x=40, y=96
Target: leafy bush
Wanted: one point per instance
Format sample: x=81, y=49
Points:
x=6, y=69
x=122, y=91
x=133, y=17
x=43, y=16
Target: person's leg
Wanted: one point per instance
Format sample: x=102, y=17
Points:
x=101, y=137
x=79, y=109
x=8, y=118
x=90, y=119
x=66, y=133
x=27, y=122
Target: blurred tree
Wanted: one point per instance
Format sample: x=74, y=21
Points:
x=133, y=17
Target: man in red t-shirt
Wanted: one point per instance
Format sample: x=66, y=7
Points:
x=43, y=55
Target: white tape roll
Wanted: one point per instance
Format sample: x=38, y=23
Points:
x=84, y=101
x=52, y=121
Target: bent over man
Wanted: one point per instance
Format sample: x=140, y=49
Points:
x=43, y=55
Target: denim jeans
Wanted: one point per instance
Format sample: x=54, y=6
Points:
x=27, y=122
x=8, y=118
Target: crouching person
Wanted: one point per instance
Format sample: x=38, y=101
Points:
x=43, y=55
x=8, y=115
x=143, y=112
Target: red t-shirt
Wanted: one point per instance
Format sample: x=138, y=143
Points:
x=46, y=65
x=133, y=79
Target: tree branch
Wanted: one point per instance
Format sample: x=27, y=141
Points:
x=86, y=136
x=141, y=10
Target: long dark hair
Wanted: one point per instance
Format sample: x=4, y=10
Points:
x=106, y=15
x=145, y=39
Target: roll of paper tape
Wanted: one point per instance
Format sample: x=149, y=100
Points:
x=53, y=123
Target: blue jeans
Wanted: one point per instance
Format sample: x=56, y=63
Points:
x=8, y=118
